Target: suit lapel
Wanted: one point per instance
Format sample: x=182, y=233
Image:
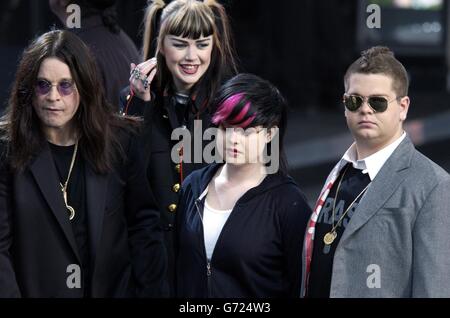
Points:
x=388, y=179
x=44, y=172
x=96, y=186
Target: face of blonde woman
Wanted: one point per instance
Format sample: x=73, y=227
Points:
x=187, y=59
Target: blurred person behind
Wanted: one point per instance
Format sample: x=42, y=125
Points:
x=112, y=47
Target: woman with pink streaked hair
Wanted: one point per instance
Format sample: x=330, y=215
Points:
x=241, y=223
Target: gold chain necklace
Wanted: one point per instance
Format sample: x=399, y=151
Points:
x=64, y=187
x=329, y=238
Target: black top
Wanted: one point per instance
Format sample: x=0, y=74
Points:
x=353, y=182
x=76, y=197
x=258, y=253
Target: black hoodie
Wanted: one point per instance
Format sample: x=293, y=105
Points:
x=258, y=252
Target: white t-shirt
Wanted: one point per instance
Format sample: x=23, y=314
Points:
x=213, y=222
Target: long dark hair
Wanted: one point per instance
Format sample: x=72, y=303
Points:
x=192, y=19
x=95, y=121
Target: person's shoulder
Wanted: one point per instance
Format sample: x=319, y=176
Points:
x=196, y=179
x=128, y=43
x=427, y=170
x=292, y=207
x=196, y=176
x=287, y=193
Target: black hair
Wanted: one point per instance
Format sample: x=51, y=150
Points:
x=247, y=100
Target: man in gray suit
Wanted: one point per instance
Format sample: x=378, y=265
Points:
x=381, y=226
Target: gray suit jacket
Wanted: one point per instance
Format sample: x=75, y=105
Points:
x=397, y=243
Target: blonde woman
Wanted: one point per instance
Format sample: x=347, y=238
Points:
x=188, y=53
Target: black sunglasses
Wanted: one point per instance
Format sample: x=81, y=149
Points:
x=65, y=87
x=379, y=104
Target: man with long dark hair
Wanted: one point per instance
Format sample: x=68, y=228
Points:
x=77, y=218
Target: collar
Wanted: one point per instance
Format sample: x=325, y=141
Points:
x=373, y=163
x=197, y=100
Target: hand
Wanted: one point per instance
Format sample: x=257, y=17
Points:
x=139, y=81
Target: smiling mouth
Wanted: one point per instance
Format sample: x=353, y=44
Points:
x=189, y=69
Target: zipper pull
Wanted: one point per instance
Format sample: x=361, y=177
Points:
x=196, y=202
x=208, y=269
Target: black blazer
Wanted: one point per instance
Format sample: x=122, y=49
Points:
x=160, y=119
x=37, y=244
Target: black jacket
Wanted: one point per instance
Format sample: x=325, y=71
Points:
x=160, y=119
x=258, y=252
x=37, y=244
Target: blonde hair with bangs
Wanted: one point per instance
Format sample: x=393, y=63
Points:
x=191, y=19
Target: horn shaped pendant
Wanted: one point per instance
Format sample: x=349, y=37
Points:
x=64, y=186
x=71, y=212
x=68, y=207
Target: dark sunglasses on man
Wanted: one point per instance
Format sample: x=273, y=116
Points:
x=64, y=87
x=378, y=104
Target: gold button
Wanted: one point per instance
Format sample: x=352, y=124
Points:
x=172, y=207
x=178, y=168
x=176, y=187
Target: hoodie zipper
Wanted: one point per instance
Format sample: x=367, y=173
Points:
x=208, y=262
x=208, y=277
